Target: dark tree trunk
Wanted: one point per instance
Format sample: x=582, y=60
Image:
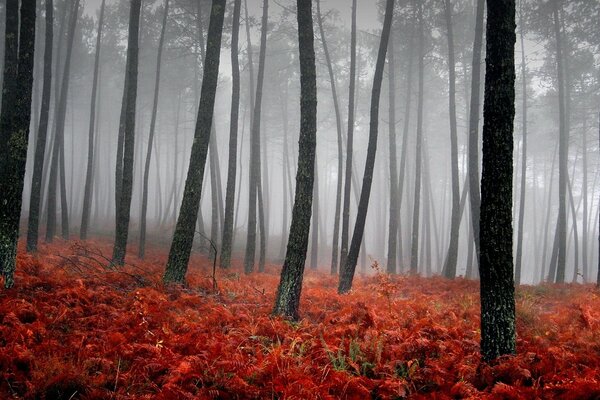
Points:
x=347, y=273
x=340, y=165
x=394, y=201
x=143, y=219
x=563, y=152
x=233, y=139
x=349, y=143
x=124, y=203
x=42, y=135
x=14, y=128
x=519, y=255
x=450, y=266
x=290, y=286
x=314, y=245
x=183, y=238
x=474, y=114
x=89, y=177
x=255, y=147
x=57, y=164
x=414, y=253
x=496, y=264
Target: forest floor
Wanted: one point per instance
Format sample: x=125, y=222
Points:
x=72, y=328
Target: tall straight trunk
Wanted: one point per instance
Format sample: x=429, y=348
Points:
x=290, y=286
x=584, y=194
x=347, y=273
x=349, y=142
x=42, y=134
x=14, y=128
x=496, y=262
x=340, y=164
x=394, y=201
x=562, y=154
x=575, y=232
x=227, y=239
x=161, y=41
x=183, y=238
x=414, y=253
x=547, y=219
x=255, y=147
x=57, y=164
x=519, y=255
x=314, y=245
x=89, y=176
x=450, y=266
x=124, y=203
x=474, y=113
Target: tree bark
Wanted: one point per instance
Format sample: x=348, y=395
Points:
x=14, y=127
x=124, y=204
x=42, y=135
x=347, y=273
x=183, y=238
x=233, y=139
x=496, y=236
x=394, y=201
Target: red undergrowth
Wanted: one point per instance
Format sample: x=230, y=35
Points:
x=72, y=328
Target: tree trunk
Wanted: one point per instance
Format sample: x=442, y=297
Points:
x=496, y=263
x=347, y=273
x=314, y=245
x=42, y=134
x=89, y=177
x=183, y=238
x=124, y=204
x=14, y=128
x=340, y=165
x=474, y=114
x=394, y=201
x=290, y=286
x=255, y=147
x=349, y=142
x=450, y=266
x=584, y=194
x=161, y=41
x=57, y=164
x=233, y=139
x=414, y=254
x=598, y=219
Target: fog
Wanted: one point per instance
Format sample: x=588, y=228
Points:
x=180, y=83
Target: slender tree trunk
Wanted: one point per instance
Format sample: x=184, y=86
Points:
x=143, y=218
x=584, y=194
x=255, y=147
x=414, y=258
x=183, y=238
x=519, y=255
x=340, y=165
x=233, y=139
x=290, y=286
x=89, y=177
x=394, y=200
x=14, y=128
x=124, y=203
x=474, y=114
x=496, y=263
x=42, y=134
x=349, y=142
x=314, y=253
x=347, y=273
x=575, y=232
x=450, y=266
x=57, y=164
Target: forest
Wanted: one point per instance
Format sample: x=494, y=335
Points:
x=313, y=199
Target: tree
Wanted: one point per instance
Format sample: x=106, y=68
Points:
x=340, y=165
x=254, y=181
x=233, y=138
x=183, y=238
x=89, y=176
x=15, y=119
x=496, y=236
x=450, y=266
x=394, y=200
x=143, y=221
x=290, y=286
x=42, y=134
x=123, y=209
x=347, y=273
x=349, y=142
